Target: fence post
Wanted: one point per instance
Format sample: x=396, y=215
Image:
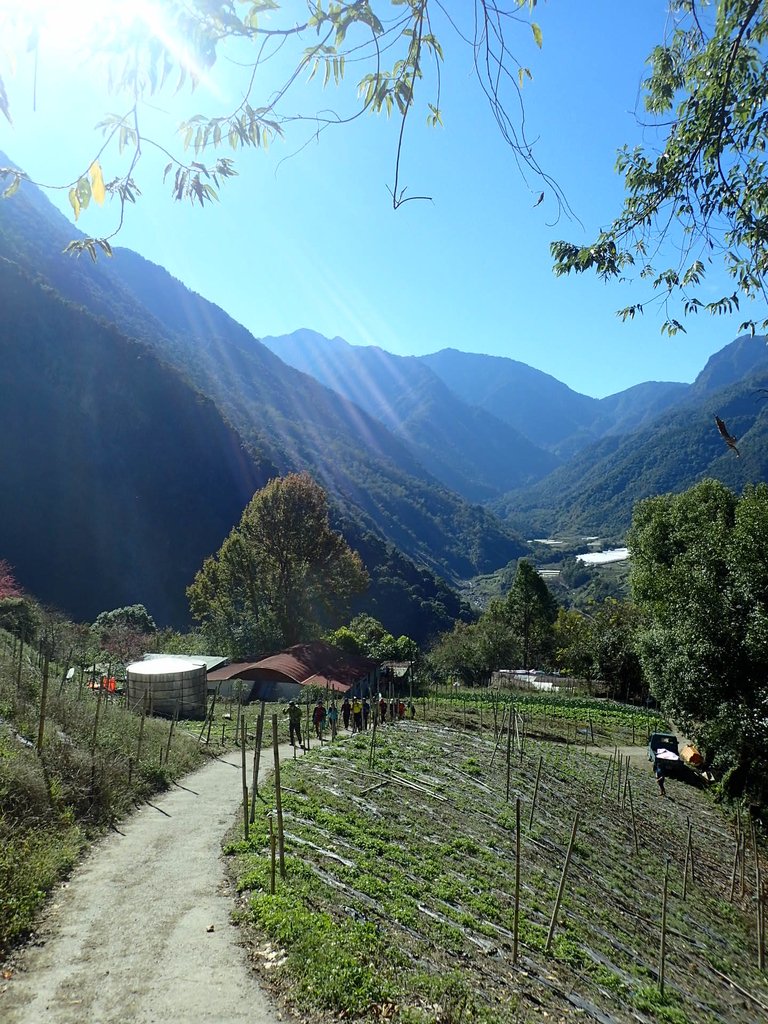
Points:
x=278, y=798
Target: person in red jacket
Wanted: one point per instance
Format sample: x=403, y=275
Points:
x=318, y=719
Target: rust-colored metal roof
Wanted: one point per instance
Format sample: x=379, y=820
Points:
x=317, y=664
x=313, y=664
x=237, y=670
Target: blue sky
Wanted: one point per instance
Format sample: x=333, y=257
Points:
x=312, y=240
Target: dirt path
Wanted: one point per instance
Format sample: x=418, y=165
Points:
x=127, y=940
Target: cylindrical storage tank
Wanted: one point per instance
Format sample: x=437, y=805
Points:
x=167, y=686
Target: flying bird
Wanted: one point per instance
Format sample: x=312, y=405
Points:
x=729, y=439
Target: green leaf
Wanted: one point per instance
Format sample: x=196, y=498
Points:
x=538, y=38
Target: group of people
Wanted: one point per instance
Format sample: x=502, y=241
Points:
x=355, y=715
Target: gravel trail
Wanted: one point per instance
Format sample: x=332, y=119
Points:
x=127, y=939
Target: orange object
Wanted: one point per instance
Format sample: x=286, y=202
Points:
x=692, y=756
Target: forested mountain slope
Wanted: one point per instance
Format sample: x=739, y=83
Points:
x=596, y=491
x=286, y=419
x=544, y=409
x=117, y=476
x=467, y=448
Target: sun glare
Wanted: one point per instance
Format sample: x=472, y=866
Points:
x=79, y=29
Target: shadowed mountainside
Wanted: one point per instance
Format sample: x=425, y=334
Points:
x=465, y=447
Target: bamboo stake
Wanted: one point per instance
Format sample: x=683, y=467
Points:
x=535, y=792
x=141, y=727
x=619, y=766
x=43, y=702
x=239, y=711
x=758, y=899
x=170, y=731
x=509, y=751
x=372, y=754
x=735, y=866
x=272, y=855
x=632, y=816
x=518, y=839
x=687, y=861
x=256, y=760
x=760, y=919
x=245, y=778
x=278, y=798
x=663, y=941
x=561, y=887
x=499, y=735
x=607, y=772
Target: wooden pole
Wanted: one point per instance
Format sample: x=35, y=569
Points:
x=43, y=702
x=736, y=850
x=170, y=731
x=632, y=817
x=210, y=720
x=141, y=727
x=499, y=735
x=372, y=754
x=518, y=840
x=256, y=760
x=509, y=752
x=663, y=940
x=239, y=710
x=561, y=887
x=278, y=798
x=244, y=768
x=272, y=855
x=535, y=792
x=687, y=861
x=96, y=722
x=758, y=900
x=607, y=773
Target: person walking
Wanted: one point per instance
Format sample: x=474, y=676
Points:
x=294, y=722
x=659, y=770
x=318, y=719
x=366, y=712
x=357, y=715
x=346, y=711
x=382, y=710
x=333, y=719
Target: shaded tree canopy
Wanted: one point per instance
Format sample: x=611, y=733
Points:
x=700, y=190
x=366, y=636
x=281, y=577
x=134, y=616
x=700, y=579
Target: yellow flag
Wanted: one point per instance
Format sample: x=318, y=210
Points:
x=97, y=183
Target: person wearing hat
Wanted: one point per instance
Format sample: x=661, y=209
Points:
x=294, y=722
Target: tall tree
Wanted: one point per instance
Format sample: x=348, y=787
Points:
x=700, y=577
x=531, y=611
x=281, y=576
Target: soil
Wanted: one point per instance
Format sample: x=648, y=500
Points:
x=141, y=933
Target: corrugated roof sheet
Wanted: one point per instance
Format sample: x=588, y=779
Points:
x=313, y=664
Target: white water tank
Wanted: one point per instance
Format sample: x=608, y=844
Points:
x=167, y=686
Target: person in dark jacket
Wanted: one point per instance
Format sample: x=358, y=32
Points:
x=294, y=722
x=346, y=711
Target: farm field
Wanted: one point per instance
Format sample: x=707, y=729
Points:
x=399, y=897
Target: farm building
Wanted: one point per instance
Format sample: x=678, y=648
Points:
x=285, y=675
